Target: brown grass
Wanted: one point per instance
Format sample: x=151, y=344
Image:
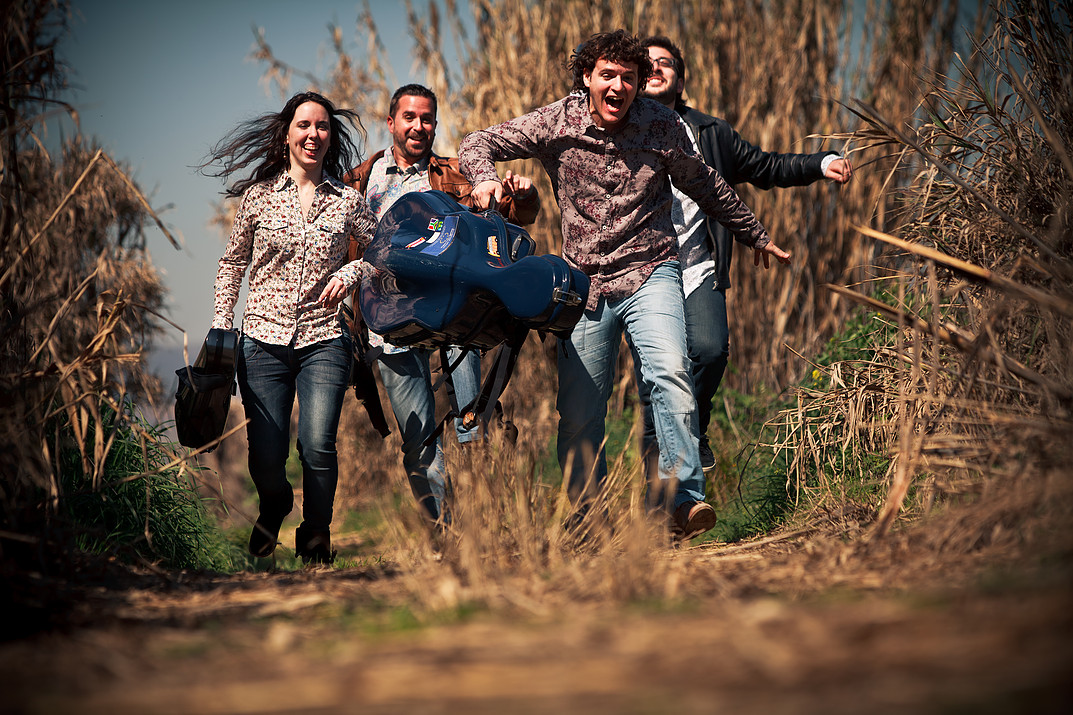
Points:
x=973, y=395
x=81, y=297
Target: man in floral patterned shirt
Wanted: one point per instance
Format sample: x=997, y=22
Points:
x=609, y=158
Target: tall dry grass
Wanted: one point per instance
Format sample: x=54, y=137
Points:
x=971, y=392
x=779, y=71
x=81, y=298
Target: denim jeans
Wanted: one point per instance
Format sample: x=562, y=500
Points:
x=653, y=319
x=709, y=346
x=269, y=378
x=466, y=379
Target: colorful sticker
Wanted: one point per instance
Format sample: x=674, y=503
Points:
x=493, y=246
x=444, y=236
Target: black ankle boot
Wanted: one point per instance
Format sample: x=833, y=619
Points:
x=265, y=532
x=313, y=546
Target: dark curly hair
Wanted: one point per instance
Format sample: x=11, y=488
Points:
x=618, y=46
x=261, y=143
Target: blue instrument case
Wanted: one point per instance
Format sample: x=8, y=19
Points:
x=448, y=276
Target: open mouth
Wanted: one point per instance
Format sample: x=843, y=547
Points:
x=614, y=103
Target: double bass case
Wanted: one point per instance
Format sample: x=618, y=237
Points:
x=447, y=276
x=205, y=388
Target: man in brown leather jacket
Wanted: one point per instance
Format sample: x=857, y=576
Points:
x=410, y=165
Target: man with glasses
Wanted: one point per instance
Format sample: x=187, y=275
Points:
x=705, y=245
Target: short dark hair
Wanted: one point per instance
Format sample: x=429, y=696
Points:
x=679, y=61
x=617, y=46
x=411, y=90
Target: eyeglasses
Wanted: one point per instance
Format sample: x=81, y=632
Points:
x=665, y=62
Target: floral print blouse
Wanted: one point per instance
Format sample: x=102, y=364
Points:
x=290, y=259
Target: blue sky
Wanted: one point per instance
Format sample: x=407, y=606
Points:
x=157, y=84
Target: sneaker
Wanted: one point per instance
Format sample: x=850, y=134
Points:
x=313, y=546
x=265, y=534
x=693, y=519
x=707, y=457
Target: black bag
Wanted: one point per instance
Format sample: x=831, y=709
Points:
x=448, y=276
x=205, y=388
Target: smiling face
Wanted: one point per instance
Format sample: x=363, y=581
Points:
x=664, y=85
x=612, y=88
x=308, y=137
x=413, y=129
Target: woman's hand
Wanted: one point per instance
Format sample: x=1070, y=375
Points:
x=334, y=292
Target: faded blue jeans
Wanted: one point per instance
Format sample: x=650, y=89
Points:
x=654, y=320
x=466, y=379
x=709, y=346
x=407, y=377
x=269, y=378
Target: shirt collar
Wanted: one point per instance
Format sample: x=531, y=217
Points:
x=329, y=183
x=393, y=168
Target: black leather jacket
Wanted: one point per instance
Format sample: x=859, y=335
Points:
x=738, y=161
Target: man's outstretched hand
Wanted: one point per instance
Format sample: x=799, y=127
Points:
x=767, y=251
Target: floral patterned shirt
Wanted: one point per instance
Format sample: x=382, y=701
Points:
x=388, y=181
x=290, y=258
x=612, y=187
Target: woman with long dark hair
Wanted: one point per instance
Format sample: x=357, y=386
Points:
x=291, y=233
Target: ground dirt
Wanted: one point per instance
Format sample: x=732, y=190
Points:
x=813, y=621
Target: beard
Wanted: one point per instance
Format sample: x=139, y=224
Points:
x=665, y=95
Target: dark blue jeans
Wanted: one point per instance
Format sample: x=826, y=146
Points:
x=708, y=334
x=269, y=378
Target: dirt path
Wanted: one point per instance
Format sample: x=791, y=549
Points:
x=805, y=625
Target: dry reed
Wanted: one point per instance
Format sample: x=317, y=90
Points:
x=975, y=392
x=81, y=298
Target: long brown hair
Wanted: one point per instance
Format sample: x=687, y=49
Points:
x=261, y=142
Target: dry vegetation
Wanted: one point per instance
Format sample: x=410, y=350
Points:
x=927, y=450
x=80, y=295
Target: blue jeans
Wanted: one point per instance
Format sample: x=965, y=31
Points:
x=466, y=379
x=709, y=346
x=653, y=319
x=269, y=378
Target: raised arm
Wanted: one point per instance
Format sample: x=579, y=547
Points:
x=479, y=151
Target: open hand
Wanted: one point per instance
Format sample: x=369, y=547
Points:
x=516, y=184
x=770, y=250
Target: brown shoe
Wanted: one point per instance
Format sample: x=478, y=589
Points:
x=693, y=519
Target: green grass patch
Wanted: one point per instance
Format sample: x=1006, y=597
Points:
x=138, y=509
